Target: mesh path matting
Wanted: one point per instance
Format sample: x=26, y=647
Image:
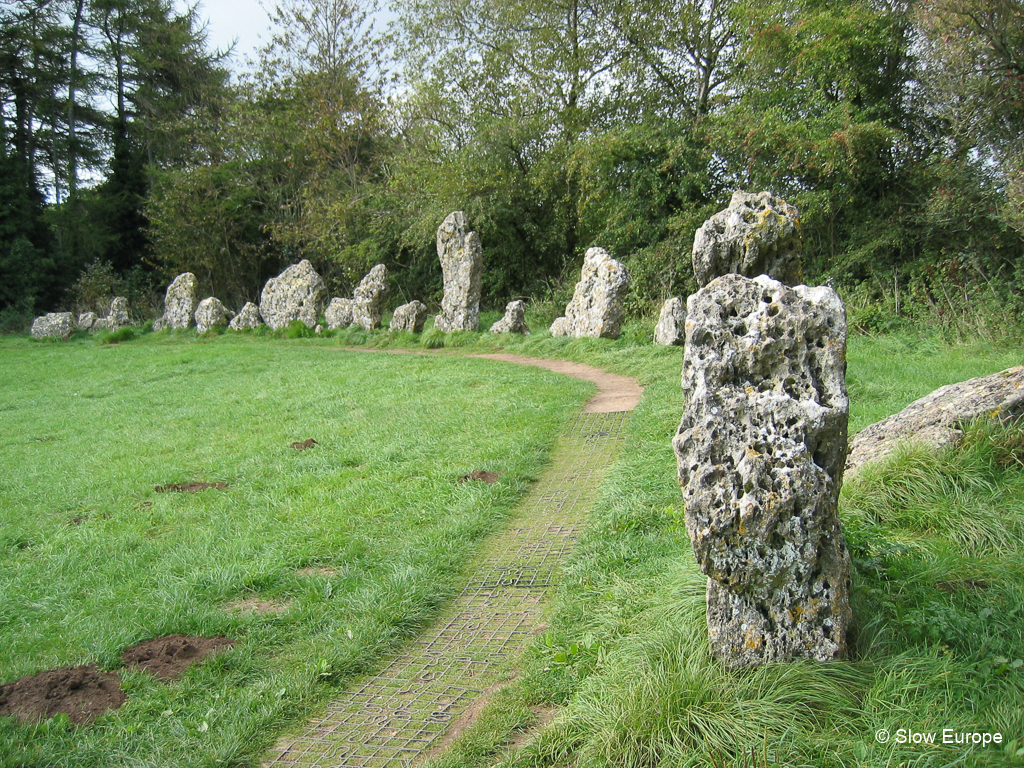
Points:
x=388, y=719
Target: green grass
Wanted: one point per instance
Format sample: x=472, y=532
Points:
x=93, y=560
x=936, y=542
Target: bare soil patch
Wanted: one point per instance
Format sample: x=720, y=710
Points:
x=82, y=693
x=542, y=718
x=189, y=487
x=481, y=474
x=168, y=657
x=318, y=570
x=257, y=605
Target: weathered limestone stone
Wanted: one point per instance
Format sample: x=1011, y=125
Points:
x=339, y=313
x=758, y=234
x=116, y=318
x=761, y=449
x=936, y=419
x=671, y=327
x=514, y=320
x=55, y=325
x=409, y=317
x=179, y=303
x=461, y=256
x=209, y=313
x=247, y=319
x=560, y=327
x=298, y=293
x=596, y=309
x=368, y=298
x=86, y=320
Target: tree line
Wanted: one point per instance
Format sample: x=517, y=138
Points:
x=896, y=127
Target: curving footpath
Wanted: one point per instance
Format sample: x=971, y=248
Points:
x=411, y=708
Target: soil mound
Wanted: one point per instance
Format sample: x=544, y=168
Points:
x=189, y=487
x=81, y=693
x=168, y=657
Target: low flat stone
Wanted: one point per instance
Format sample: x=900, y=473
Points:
x=53, y=325
x=936, y=419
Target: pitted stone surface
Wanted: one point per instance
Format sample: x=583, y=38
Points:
x=116, y=318
x=53, y=325
x=936, y=419
x=339, y=313
x=247, y=319
x=596, y=309
x=369, y=297
x=409, y=317
x=760, y=450
x=209, y=313
x=86, y=320
x=671, y=327
x=179, y=303
x=758, y=234
x=514, y=320
x=298, y=293
x=461, y=256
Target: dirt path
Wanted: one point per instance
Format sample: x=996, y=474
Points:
x=615, y=393
x=413, y=707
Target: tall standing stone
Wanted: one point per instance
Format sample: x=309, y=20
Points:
x=671, y=327
x=298, y=293
x=368, y=298
x=758, y=234
x=409, y=317
x=179, y=303
x=461, y=256
x=596, y=310
x=116, y=318
x=761, y=449
x=211, y=312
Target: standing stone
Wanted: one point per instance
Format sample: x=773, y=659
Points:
x=671, y=327
x=247, y=319
x=409, y=317
x=596, y=309
x=55, y=324
x=461, y=257
x=209, y=313
x=758, y=234
x=368, y=299
x=514, y=320
x=761, y=449
x=298, y=293
x=179, y=303
x=86, y=320
x=116, y=318
x=339, y=313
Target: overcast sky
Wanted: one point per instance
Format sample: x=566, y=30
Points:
x=231, y=20
x=243, y=21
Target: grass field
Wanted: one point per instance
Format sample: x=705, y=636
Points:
x=92, y=559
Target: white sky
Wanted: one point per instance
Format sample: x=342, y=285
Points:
x=243, y=21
